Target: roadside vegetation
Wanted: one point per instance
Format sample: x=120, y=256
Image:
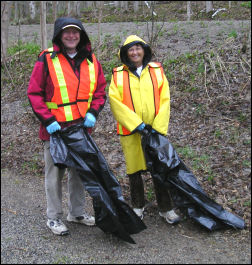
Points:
x=169, y=11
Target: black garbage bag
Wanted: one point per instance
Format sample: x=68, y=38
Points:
x=165, y=165
x=74, y=147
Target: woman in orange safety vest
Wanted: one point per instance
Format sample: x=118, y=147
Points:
x=139, y=95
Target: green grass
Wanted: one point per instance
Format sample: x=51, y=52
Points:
x=30, y=48
x=233, y=34
x=150, y=194
x=199, y=109
x=218, y=133
x=246, y=4
x=186, y=152
x=246, y=163
x=198, y=162
x=62, y=260
x=242, y=117
x=247, y=203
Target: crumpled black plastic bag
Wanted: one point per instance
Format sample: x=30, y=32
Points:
x=165, y=165
x=74, y=147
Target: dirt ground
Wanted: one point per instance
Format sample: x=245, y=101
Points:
x=22, y=194
x=25, y=239
x=177, y=37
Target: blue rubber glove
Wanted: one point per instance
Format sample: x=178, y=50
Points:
x=53, y=127
x=140, y=127
x=153, y=131
x=89, y=120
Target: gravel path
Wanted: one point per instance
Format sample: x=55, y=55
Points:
x=176, y=37
x=25, y=239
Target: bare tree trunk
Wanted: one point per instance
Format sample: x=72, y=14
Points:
x=69, y=8
x=61, y=6
x=16, y=11
x=144, y=9
x=89, y=4
x=32, y=9
x=189, y=10
x=136, y=6
x=77, y=8
x=151, y=31
x=55, y=5
x=5, y=6
x=100, y=6
x=124, y=5
x=229, y=4
x=209, y=6
x=43, y=25
x=26, y=9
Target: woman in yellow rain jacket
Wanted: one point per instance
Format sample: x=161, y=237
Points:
x=139, y=95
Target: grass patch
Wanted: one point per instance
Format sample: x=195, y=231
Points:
x=247, y=204
x=30, y=48
x=150, y=194
x=246, y=4
x=233, y=34
x=198, y=162
x=62, y=260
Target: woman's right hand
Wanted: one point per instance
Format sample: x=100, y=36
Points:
x=140, y=127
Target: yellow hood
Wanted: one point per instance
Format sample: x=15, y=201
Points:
x=129, y=42
x=133, y=38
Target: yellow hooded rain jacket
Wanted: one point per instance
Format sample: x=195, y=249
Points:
x=144, y=107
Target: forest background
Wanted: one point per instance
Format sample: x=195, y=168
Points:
x=205, y=48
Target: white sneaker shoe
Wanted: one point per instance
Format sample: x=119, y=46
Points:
x=83, y=219
x=57, y=227
x=170, y=216
x=139, y=212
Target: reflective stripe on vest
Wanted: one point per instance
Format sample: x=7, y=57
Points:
x=156, y=73
x=93, y=82
x=88, y=85
x=72, y=97
x=121, y=79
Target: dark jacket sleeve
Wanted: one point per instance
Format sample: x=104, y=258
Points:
x=36, y=92
x=99, y=96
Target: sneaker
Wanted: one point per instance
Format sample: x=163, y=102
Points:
x=139, y=212
x=57, y=227
x=83, y=219
x=170, y=216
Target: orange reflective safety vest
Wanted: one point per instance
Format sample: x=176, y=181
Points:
x=121, y=80
x=72, y=96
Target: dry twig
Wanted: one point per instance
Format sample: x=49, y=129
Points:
x=218, y=58
x=246, y=62
x=206, y=85
x=213, y=66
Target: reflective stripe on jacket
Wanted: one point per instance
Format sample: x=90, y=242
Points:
x=153, y=79
x=72, y=96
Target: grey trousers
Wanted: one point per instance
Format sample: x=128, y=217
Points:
x=53, y=188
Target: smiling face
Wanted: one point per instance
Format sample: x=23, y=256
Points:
x=136, y=54
x=70, y=37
